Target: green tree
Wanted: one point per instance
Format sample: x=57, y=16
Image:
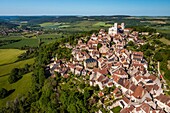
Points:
x=131, y=43
x=158, y=57
x=15, y=75
x=99, y=46
x=3, y=93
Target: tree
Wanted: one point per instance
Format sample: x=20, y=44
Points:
x=99, y=46
x=131, y=43
x=148, y=52
x=15, y=75
x=158, y=57
x=3, y=93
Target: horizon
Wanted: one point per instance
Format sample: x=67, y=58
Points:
x=84, y=8
x=80, y=15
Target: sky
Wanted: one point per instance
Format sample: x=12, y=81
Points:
x=85, y=7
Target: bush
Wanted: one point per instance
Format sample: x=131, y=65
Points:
x=3, y=93
x=14, y=75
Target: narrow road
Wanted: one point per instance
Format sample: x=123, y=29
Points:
x=159, y=74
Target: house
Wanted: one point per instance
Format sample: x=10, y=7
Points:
x=143, y=108
x=163, y=101
x=101, y=62
x=154, y=90
x=139, y=94
x=94, y=54
x=120, y=72
x=94, y=37
x=137, y=56
x=71, y=67
x=104, y=49
x=92, y=43
x=99, y=81
x=124, y=85
x=124, y=102
x=78, y=70
x=145, y=33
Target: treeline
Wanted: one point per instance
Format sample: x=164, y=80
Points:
x=6, y=42
x=144, y=29
x=30, y=53
x=17, y=73
x=5, y=24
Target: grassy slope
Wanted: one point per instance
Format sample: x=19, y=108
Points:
x=24, y=42
x=21, y=87
x=6, y=69
x=9, y=55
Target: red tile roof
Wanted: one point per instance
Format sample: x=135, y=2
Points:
x=139, y=92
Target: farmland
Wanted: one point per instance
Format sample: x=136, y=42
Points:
x=19, y=88
x=9, y=55
x=9, y=61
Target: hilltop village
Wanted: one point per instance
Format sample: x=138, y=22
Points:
x=106, y=63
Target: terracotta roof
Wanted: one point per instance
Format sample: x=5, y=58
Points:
x=123, y=82
x=125, y=110
x=145, y=107
x=163, y=98
x=100, y=94
x=115, y=91
x=155, y=87
x=95, y=70
x=103, y=71
x=120, y=71
x=110, y=83
x=131, y=107
x=149, y=87
x=133, y=87
x=138, y=77
x=101, y=78
x=126, y=100
x=115, y=78
x=152, y=77
x=139, y=92
x=137, y=54
x=101, y=59
x=105, y=80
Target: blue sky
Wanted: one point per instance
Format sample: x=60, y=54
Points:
x=85, y=7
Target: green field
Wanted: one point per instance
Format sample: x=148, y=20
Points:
x=48, y=25
x=54, y=35
x=32, y=42
x=6, y=69
x=9, y=55
x=29, y=42
x=163, y=29
x=20, y=87
x=102, y=24
x=165, y=41
x=8, y=62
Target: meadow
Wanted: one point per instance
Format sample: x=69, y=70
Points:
x=9, y=61
x=9, y=55
x=29, y=42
